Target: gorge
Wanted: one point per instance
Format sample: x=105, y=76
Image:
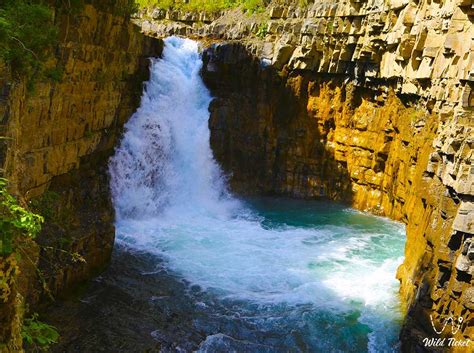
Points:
x=251, y=259
x=369, y=104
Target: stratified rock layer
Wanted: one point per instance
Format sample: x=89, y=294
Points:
x=60, y=137
x=370, y=102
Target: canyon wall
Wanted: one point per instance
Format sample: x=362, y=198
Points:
x=59, y=138
x=369, y=102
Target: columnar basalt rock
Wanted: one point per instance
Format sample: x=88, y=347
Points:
x=60, y=137
x=425, y=46
x=369, y=102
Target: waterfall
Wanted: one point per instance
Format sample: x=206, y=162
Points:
x=165, y=163
x=171, y=200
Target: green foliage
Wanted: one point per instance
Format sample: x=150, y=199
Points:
x=253, y=5
x=304, y=3
x=330, y=25
x=204, y=5
x=71, y=6
x=88, y=134
x=262, y=30
x=46, y=204
x=14, y=220
x=126, y=8
x=37, y=334
x=54, y=74
x=26, y=33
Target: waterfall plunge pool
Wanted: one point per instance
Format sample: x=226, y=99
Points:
x=316, y=277
x=198, y=269
x=287, y=276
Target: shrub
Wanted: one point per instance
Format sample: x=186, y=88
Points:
x=204, y=5
x=14, y=220
x=26, y=33
x=55, y=74
x=37, y=334
x=253, y=5
x=262, y=30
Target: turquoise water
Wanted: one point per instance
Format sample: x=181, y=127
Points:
x=357, y=264
x=264, y=274
x=283, y=275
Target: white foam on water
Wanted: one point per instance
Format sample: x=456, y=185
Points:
x=171, y=199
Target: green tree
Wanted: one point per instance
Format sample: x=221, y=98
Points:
x=26, y=33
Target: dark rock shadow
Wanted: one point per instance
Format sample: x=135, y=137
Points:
x=261, y=132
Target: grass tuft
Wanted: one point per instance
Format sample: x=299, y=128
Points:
x=204, y=5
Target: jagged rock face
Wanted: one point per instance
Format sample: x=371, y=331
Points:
x=308, y=135
x=270, y=143
x=62, y=134
x=367, y=102
x=425, y=46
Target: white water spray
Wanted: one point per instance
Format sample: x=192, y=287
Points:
x=171, y=200
x=165, y=162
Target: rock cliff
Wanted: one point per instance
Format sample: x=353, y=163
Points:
x=59, y=139
x=371, y=102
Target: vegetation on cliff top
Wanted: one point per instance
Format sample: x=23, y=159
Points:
x=204, y=5
x=26, y=33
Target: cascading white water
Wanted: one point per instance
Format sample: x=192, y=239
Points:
x=165, y=160
x=171, y=200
